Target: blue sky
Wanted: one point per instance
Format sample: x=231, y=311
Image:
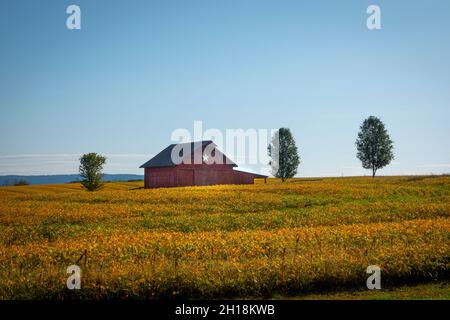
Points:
x=138, y=70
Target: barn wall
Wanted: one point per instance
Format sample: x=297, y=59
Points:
x=160, y=177
x=241, y=177
x=185, y=177
x=195, y=175
x=205, y=175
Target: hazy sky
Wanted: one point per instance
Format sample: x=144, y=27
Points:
x=138, y=70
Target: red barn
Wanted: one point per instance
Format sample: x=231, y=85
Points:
x=193, y=164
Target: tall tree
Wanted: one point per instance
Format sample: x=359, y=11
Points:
x=91, y=166
x=284, y=158
x=375, y=147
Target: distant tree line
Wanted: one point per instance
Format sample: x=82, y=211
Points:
x=15, y=182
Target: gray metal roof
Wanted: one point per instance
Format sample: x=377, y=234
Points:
x=164, y=158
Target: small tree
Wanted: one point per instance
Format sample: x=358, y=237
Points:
x=374, y=145
x=91, y=166
x=284, y=155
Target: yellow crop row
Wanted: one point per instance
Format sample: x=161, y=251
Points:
x=222, y=241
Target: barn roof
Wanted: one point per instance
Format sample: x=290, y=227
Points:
x=164, y=158
x=255, y=175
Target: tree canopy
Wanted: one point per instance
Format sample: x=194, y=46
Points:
x=91, y=166
x=283, y=153
x=374, y=146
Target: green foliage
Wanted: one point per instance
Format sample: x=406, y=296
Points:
x=374, y=145
x=91, y=166
x=284, y=155
x=21, y=182
x=15, y=182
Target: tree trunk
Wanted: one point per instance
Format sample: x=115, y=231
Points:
x=373, y=172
